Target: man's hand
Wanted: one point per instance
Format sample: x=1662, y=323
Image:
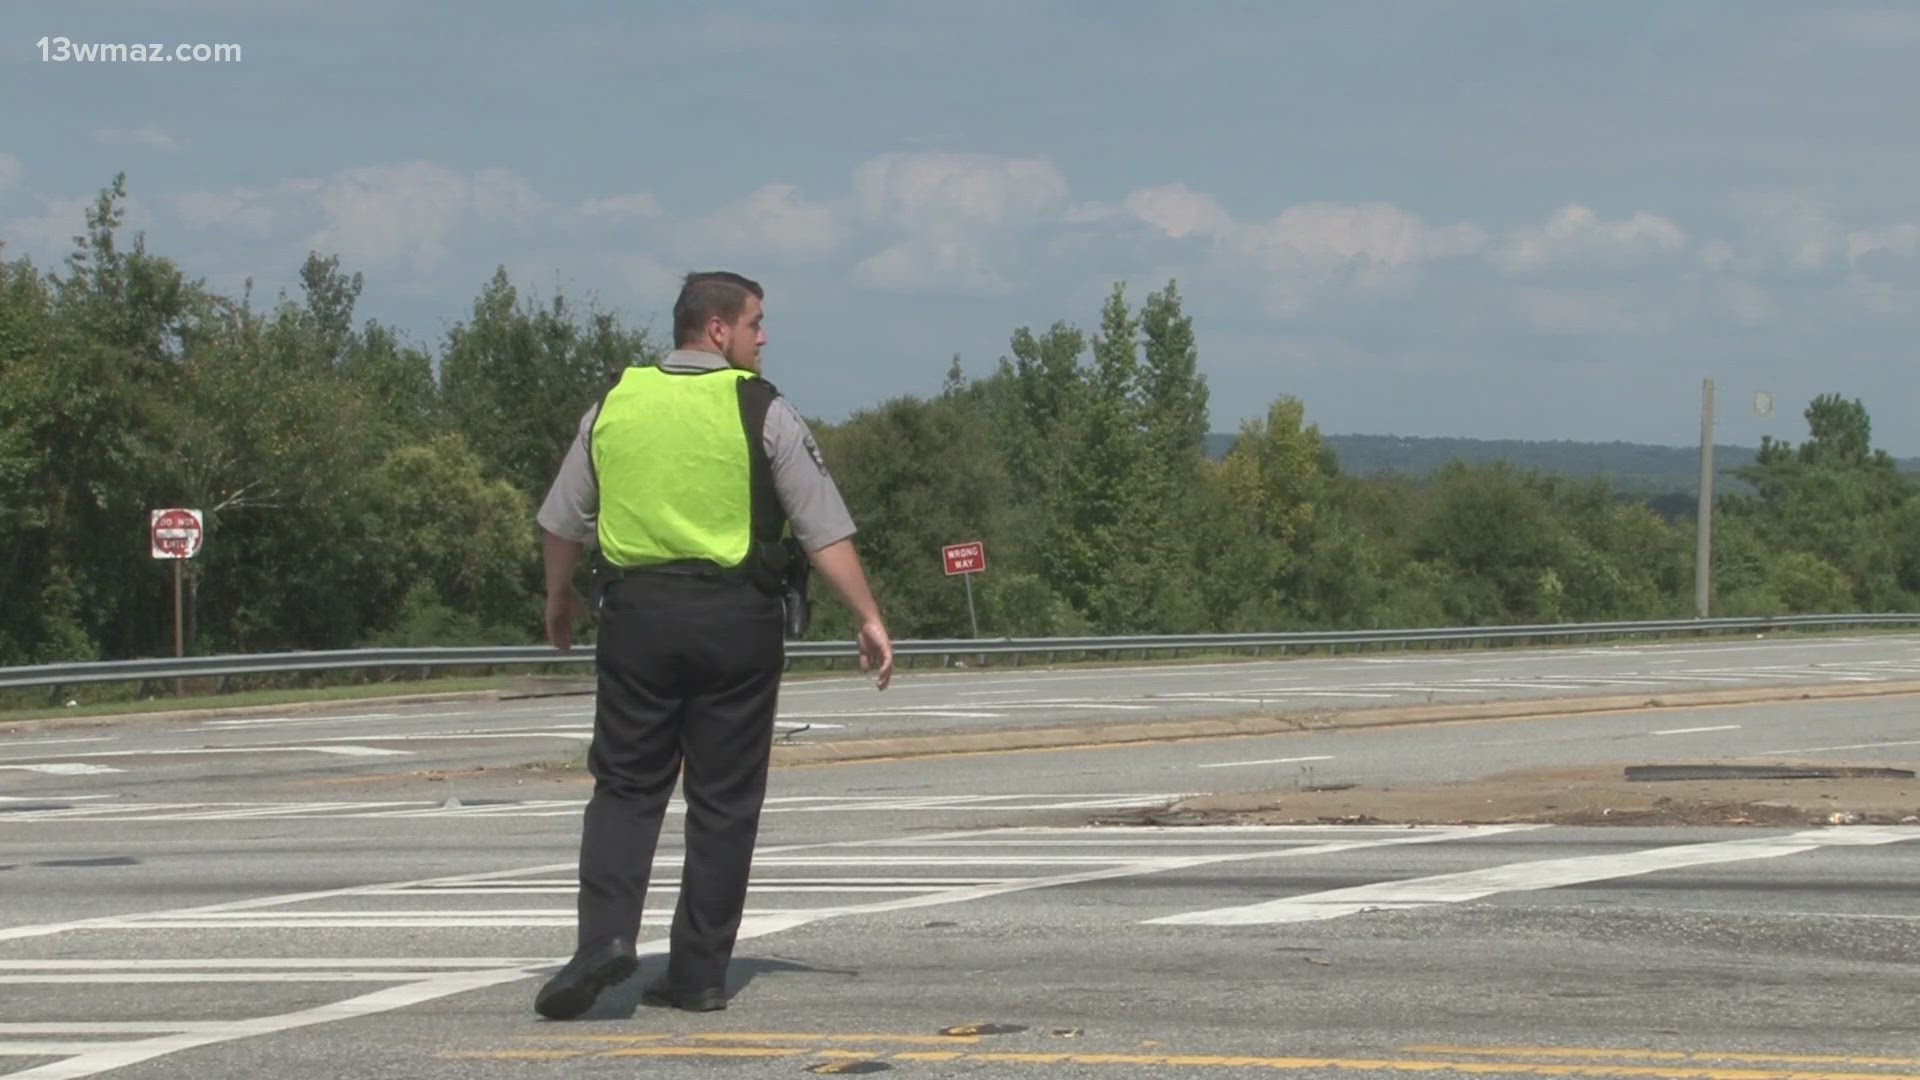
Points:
x=564, y=609
x=876, y=653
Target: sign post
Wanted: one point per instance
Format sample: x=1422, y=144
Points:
x=966, y=560
x=175, y=534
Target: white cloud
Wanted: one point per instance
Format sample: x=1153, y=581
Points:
x=1790, y=224
x=772, y=221
x=410, y=212
x=1745, y=302
x=1376, y=233
x=1307, y=249
x=1898, y=239
x=1179, y=211
x=934, y=188
x=615, y=210
x=931, y=261
x=151, y=136
x=1579, y=312
x=1576, y=233
x=958, y=211
x=238, y=211
x=50, y=234
x=1717, y=254
x=10, y=172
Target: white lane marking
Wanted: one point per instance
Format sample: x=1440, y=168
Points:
x=1161, y=864
x=196, y=751
x=845, y=714
x=1525, y=876
x=103, y=1027
x=351, y=718
x=1627, y=680
x=15, y=933
x=9, y=744
x=421, y=808
x=384, y=1000
x=1691, y=730
x=134, y=978
x=1100, y=706
x=1268, y=761
x=1330, y=693
x=991, y=693
x=1209, y=699
x=1850, y=746
x=1419, y=688
x=1522, y=684
x=51, y=1049
x=432, y=985
x=64, y=768
x=477, y=734
x=293, y=963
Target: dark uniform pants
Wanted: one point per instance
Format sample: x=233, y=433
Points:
x=689, y=675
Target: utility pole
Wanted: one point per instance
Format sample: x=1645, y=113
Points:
x=1703, y=556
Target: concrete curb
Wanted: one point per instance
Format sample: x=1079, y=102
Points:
x=1094, y=735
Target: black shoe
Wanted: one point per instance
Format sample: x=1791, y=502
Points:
x=572, y=991
x=660, y=993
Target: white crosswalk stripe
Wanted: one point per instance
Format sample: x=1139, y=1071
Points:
x=792, y=886
x=56, y=809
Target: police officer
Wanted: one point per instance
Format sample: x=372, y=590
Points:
x=685, y=477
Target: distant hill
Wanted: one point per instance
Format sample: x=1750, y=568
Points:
x=1634, y=468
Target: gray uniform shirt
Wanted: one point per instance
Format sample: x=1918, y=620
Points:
x=807, y=492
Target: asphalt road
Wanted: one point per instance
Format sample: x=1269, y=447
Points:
x=151, y=757
x=274, y=911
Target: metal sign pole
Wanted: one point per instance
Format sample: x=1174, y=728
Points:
x=971, y=618
x=176, y=609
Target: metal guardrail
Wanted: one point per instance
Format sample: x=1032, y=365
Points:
x=54, y=675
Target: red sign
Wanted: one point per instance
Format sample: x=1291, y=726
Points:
x=175, y=534
x=964, y=558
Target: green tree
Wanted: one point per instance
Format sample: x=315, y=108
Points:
x=516, y=379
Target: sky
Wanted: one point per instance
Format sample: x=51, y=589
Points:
x=1531, y=220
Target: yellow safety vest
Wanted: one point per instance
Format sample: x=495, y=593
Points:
x=680, y=467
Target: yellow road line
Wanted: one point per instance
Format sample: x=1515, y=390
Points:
x=1660, y=1055
x=804, y=1037
x=511, y=1055
x=706, y=1051
x=660, y=1037
x=1419, y=1065
x=841, y=1037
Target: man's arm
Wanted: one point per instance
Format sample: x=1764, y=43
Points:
x=565, y=605
x=566, y=520
x=824, y=528
x=839, y=563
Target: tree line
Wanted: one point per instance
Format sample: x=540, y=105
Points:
x=362, y=490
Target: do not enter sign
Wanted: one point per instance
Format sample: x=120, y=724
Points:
x=175, y=534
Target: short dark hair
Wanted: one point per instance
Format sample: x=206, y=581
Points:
x=706, y=295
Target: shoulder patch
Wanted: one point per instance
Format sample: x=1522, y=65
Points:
x=813, y=451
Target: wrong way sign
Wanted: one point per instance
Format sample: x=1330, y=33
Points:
x=964, y=558
x=175, y=533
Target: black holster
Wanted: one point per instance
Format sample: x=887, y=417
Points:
x=799, y=575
